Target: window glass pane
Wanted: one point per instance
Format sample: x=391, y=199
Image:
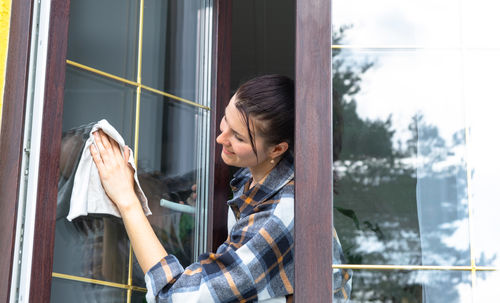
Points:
x=480, y=23
x=172, y=151
x=103, y=35
x=138, y=297
x=171, y=46
x=436, y=103
x=487, y=286
x=90, y=98
x=411, y=286
x=94, y=246
x=168, y=171
x=401, y=181
x=167, y=137
x=482, y=95
x=398, y=22
x=72, y=291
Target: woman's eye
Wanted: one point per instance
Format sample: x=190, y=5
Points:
x=238, y=138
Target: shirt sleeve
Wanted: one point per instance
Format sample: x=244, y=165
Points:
x=255, y=263
x=342, y=278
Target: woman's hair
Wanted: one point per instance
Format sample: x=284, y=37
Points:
x=270, y=101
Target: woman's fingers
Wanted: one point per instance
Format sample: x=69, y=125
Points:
x=126, y=153
x=98, y=142
x=96, y=157
x=105, y=139
x=107, y=148
x=108, y=152
x=117, y=176
x=115, y=147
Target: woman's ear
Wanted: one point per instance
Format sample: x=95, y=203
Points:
x=278, y=150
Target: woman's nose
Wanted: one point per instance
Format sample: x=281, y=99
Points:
x=221, y=139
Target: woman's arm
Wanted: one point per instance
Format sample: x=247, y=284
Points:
x=256, y=261
x=117, y=178
x=147, y=247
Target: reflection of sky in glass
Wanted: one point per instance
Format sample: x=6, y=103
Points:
x=450, y=77
x=403, y=83
x=428, y=23
x=483, y=98
x=487, y=289
x=399, y=22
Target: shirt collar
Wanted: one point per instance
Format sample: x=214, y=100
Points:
x=281, y=174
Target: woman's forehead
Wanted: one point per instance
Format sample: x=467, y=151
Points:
x=236, y=120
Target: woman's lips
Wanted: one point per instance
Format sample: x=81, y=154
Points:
x=226, y=151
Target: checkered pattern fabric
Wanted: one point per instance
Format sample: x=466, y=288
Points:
x=255, y=263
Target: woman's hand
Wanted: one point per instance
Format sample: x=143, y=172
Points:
x=117, y=176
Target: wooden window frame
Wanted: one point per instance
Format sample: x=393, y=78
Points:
x=313, y=153
x=221, y=94
x=50, y=146
x=313, y=132
x=11, y=136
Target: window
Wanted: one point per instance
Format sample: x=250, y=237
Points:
x=412, y=191
x=143, y=66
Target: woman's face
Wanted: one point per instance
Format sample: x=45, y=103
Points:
x=235, y=140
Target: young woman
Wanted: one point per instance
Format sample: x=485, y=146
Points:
x=256, y=261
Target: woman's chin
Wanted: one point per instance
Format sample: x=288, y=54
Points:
x=225, y=158
x=228, y=160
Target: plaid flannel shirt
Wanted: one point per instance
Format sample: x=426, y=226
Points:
x=255, y=263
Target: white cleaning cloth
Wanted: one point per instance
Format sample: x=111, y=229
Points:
x=88, y=195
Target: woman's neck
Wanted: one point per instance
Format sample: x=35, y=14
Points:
x=261, y=171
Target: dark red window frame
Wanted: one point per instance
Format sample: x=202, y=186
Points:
x=313, y=153
x=11, y=134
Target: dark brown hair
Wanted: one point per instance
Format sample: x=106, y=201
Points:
x=270, y=101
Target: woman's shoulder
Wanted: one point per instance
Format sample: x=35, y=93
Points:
x=284, y=209
x=288, y=190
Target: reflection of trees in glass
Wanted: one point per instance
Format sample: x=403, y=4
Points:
x=406, y=286
x=378, y=184
x=425, y=139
